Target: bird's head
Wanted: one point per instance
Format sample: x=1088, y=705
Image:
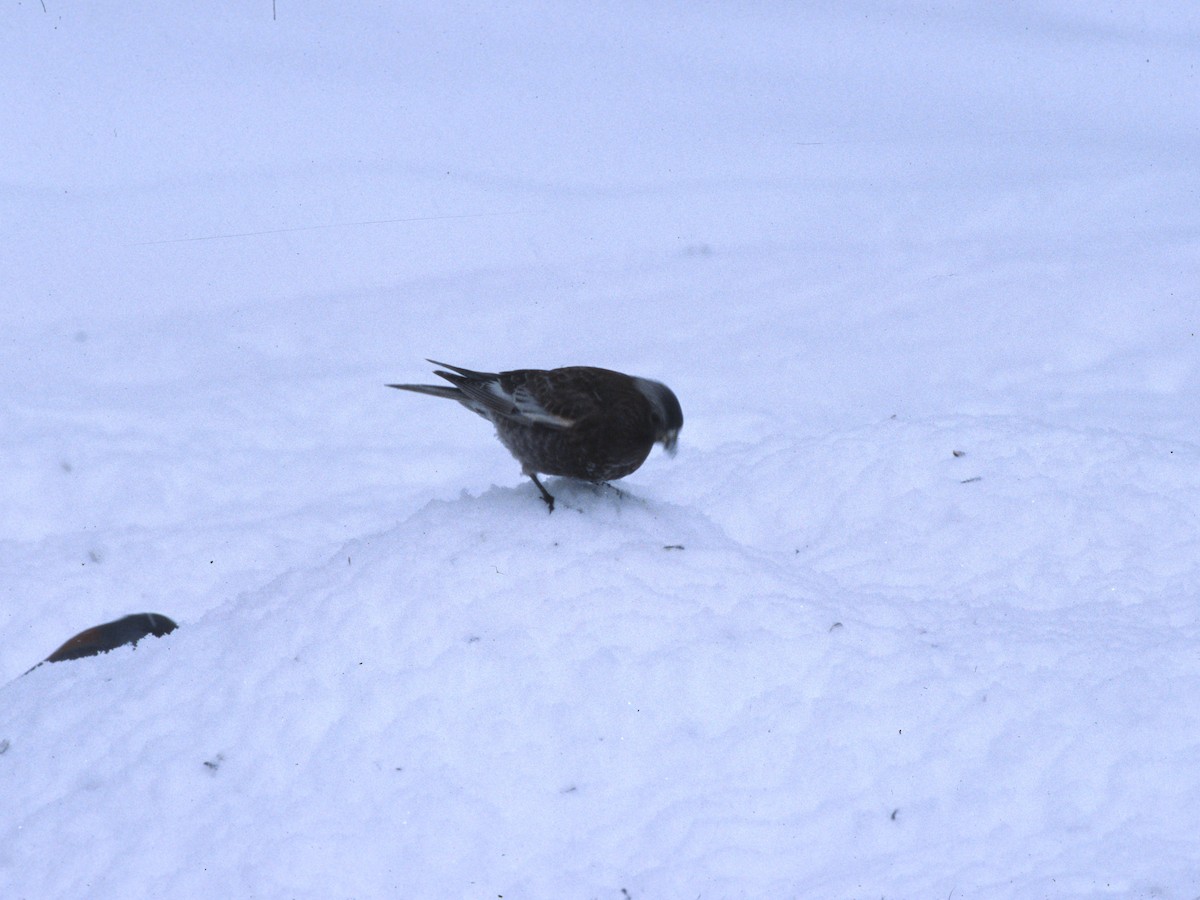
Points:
x=665, y=410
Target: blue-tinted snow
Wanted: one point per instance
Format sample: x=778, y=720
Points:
x=854, y=238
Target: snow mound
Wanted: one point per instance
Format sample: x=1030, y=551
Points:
x=491, y=700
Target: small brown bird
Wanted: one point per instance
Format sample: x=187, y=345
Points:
x=580, y=422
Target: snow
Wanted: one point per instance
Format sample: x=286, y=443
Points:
x=913, y=613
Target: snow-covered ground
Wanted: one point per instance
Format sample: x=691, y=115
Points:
x=915, y=612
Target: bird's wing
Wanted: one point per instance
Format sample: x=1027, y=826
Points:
x=574, y=393
x=509, y=398
x=530, y=408
x=553, y=399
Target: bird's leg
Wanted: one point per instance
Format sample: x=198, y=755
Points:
x=546, y=495
x=612, y=487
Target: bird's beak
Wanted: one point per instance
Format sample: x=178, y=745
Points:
x=669, y=440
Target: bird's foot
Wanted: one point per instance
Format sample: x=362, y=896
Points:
x=612, y=487
x=546, y=495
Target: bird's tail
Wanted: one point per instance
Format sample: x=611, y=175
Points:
x=433, y=390
x=469, y=374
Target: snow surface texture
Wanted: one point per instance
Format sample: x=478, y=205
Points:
x=819, y=654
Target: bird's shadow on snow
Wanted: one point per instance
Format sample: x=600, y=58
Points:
x=571, y=498
x=582, y=511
